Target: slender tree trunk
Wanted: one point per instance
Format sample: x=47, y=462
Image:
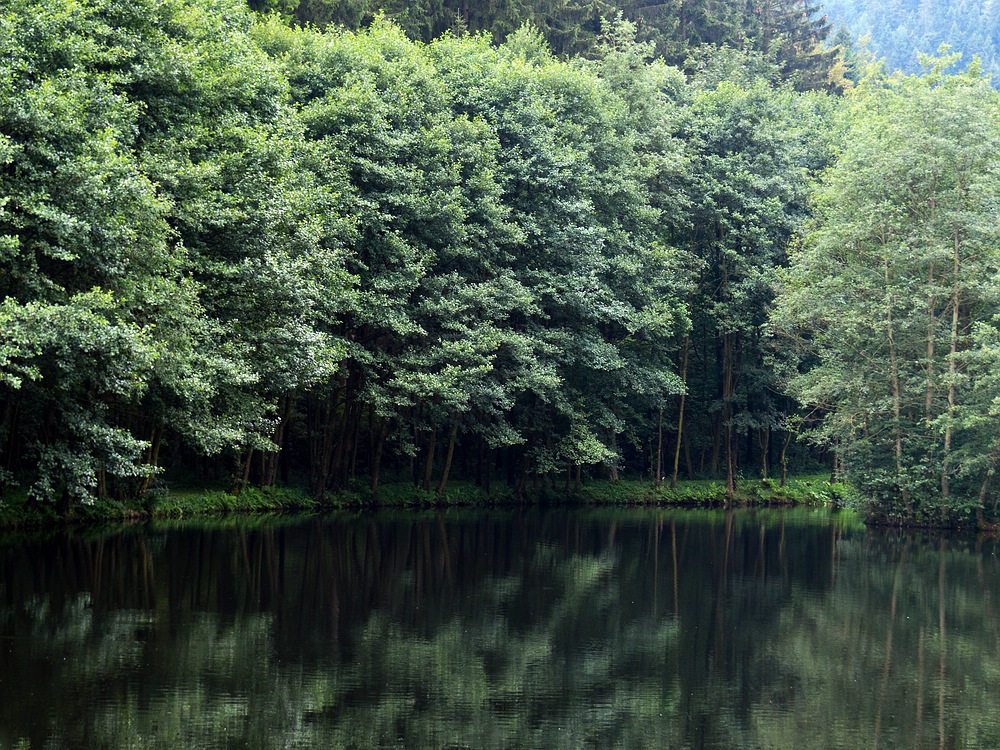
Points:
x=429, y=464
x=765, y=441
x=716, y=445
x=328, y=440
x=985, y=486
x=325, y=439
x=347, y=432
x=448, y=459
x=377, y=454
x=7, y=431
x=896, y=395
x=245, y=478
x=659, y=452
x=548, y=450
x=784, y=457
x=727, y=392
x=274, y=457
x=312, y=442
x=153, y=458
x=355, y=440
x=952, y=368
x=749, y=443
x=680, y=414
x=931, y=325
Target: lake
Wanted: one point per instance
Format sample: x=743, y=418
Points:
x=561, y=628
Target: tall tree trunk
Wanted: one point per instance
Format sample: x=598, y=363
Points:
x=985, y=486
x=244, y=480
x=352, y=469
x=896, y=395
x=345, y=432
x=448, y=459
x=429, y=464
x=931, y=323
x=952, y=367
x=659, y=451
x=784, y=457
x=274, y=457
x=153, y=458
x=765, y=441
x=7, y=429
x=680, y=414
x=717, y=429
x=325, y=439
x=727, y=393
x=522, y=482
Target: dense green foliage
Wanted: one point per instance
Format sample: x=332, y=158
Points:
x=894, y=292
x=790, y=34
x=234, y=248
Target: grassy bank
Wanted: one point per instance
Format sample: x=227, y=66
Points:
x=15, y=510
x=812, y=489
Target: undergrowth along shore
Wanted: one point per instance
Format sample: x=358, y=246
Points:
x=183, y=503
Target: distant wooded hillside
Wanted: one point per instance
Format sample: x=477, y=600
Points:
x=902, y=29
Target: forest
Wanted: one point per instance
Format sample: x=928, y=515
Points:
x=252, y=245
x=898, y=30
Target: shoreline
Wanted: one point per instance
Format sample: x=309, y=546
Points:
x=190, y=503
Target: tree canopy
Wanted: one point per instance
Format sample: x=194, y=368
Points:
x=894, y=291
x=239, y=248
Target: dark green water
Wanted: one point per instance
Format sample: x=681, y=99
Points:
x=558, y=629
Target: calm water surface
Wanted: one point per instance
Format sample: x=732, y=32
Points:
x=533, y=629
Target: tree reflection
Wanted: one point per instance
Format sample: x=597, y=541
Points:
x=520, y=630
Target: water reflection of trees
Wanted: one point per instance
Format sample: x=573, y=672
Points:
x=527, y=630
x=905, y=649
